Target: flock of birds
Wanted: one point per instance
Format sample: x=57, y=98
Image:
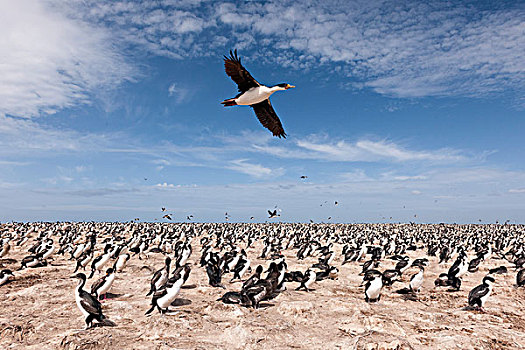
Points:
x=105, y=249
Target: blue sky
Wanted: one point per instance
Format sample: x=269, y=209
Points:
x=403, y=111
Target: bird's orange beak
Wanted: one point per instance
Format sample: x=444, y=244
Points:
x=288, y=86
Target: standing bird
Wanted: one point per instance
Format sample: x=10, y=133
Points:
x=479, y=295
x=121, y=262
x=373, y=287
x=88, y=304
x=254, y=94
x=100, y=288
x=160, y=277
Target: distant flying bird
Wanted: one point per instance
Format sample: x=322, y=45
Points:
x=251, y=218
x=145, y=179
x=273, y=214
x=163, y=209
x=254, y=94
x=189, y=217
x=167, y=217
x=304, y=177
x=336, y=203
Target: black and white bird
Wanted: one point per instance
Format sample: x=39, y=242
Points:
x=240, y=268
x=84, y=259
x=309, y=278
x=254, y=94
x=121, y=262
x=373, y=286
x=214, y=274
x=98, y=263
x=88, y=304
x=100, y=288
x=160, y=277
x=32, y=261
x=479, y=295
x=253, y=278
x=457, y=270
x=5, y=276
x=163, y=298
x=416, y=281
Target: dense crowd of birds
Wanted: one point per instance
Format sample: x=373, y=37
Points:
x=102, y=250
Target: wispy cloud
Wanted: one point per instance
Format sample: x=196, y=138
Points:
x=180, y=94
x=358, y=151
x=56, y=64
x=406, y=49
x=255, y=170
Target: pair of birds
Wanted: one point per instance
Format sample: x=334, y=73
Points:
x=164, y=289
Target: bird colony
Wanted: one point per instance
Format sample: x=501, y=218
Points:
x=261, y=286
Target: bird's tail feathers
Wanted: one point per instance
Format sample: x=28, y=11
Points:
x=229, y=102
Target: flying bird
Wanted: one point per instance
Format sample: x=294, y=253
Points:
x=304, y=177
x=254, y=94
x=163, y=209
x=273, y=214
x=167, y=217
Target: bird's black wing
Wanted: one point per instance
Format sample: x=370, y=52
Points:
x=268, y=118
x=97, y=284
x=477, y=293
x=90, y=304
x=239, y=74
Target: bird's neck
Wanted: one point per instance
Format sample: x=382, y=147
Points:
x=273, y=89
x=80, y=285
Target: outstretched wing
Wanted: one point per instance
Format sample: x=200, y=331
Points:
x=268, y=118
x=239, y=74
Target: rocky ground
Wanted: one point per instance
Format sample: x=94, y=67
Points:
x=38, y=311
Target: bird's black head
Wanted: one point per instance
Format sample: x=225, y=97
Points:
x=109, y=271
x=259, y=269
x=285, y=86
x=80, y=276
x=488, y=279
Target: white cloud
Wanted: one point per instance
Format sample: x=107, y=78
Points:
x=517, y=190
x=409, y=178
x=50, y=62
x=178, y=93
x=406, y=49
x=358, y=151
x=255, y=170
x=166, y=185
x=24, y=136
